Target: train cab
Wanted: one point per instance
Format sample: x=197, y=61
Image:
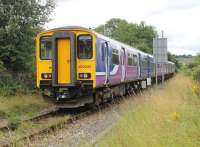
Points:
x=65, y=62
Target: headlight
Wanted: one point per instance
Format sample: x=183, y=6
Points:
x=84, y=75
x=46, y=76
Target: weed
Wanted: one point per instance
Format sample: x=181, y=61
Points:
x=13, y=123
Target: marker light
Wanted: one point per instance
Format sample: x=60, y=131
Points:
x=46, y=76
x=84, y=75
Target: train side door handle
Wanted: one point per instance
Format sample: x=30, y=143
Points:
x=68, y=61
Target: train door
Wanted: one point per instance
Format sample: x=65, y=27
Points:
x=107, y=62
x=139, y=65
x=63, y=59
x=63, y=56
x=123, y=62
x=148, y=67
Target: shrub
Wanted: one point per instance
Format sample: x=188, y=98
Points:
x=15, y=84
x=196, y=73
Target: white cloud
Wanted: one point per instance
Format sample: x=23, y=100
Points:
x=181, y=27
x=178, y=18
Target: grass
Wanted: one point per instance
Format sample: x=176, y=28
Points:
x=13, y=109
x=168, y=116
x=27, y=128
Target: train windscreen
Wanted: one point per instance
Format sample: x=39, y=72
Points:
x=85, y=47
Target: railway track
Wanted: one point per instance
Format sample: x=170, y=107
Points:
x=53, y=113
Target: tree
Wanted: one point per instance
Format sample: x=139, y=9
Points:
x=145, y=34
x=137, y=35
x=20, y=20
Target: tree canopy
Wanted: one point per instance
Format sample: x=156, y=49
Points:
x=20, y=20
x=137, y=35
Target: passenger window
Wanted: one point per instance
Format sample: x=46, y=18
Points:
x=130, y=60
x=135, y=60
x=84, y=47
x=115, y=56
x=45, y=48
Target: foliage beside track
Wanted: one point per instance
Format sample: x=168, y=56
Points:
x=169, y=116
x=16, y=85
x=193, y=68
x=14, y=109
x=20, y=21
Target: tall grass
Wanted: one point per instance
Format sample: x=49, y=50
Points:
x=15, y=84
x=167, y=117
x=13, y=109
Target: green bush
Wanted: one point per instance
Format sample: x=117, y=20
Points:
x=15, y=84
x=196, y=73
x=193, y=69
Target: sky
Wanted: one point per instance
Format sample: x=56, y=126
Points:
x=179, y=19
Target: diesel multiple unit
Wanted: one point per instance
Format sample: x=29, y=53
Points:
x=77, y=66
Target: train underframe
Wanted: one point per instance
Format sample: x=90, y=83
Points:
x=78, y=96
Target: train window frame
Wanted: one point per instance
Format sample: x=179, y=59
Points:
x=116, y=53
x=78, y=46
x=40, y=47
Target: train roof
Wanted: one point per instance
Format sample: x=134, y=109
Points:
x=100, y=36
x=121, y=44
x=105, y=38
x=69, y=28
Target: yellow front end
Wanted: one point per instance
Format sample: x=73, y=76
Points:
x=54, y=59
x=42, y=65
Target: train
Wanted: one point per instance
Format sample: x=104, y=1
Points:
x=76, y=66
